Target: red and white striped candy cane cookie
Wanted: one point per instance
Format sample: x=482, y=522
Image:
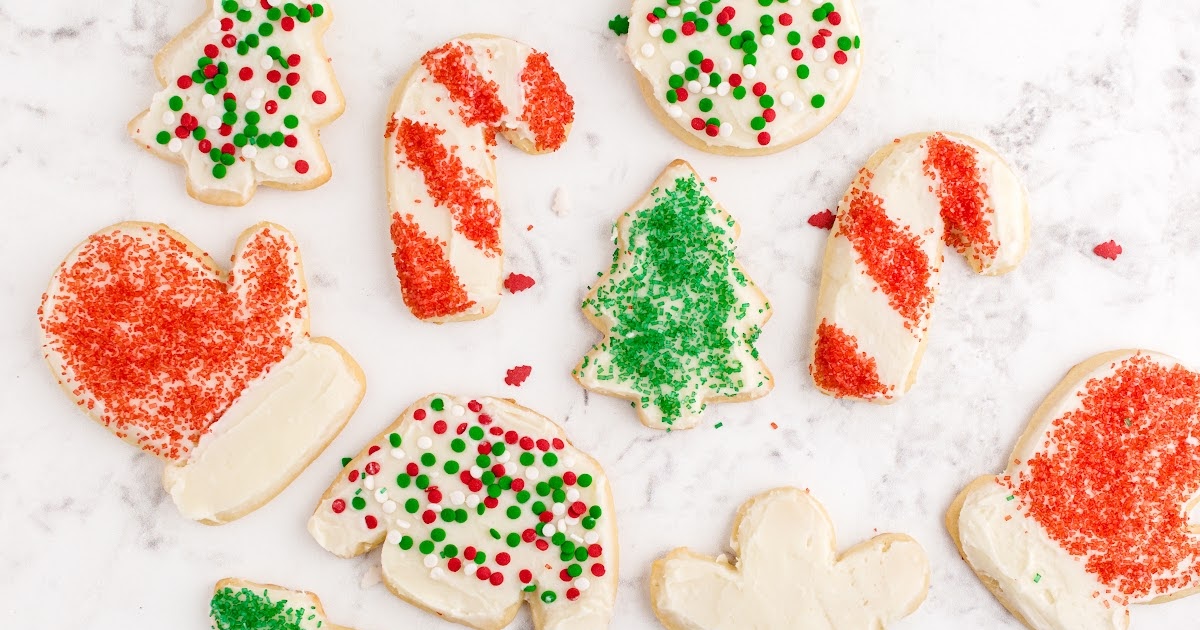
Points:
x=885, y=251
x=441, y=170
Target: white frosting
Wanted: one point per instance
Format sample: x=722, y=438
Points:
x=424, y=576
x=597, y=371
x=276, y=427
x=254, y=165
x=422, y=99
x=788, y=575
x=796, y=115
x=852, y=300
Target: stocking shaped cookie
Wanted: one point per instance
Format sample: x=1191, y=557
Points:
x=480, y=504
x=680, y=316
x=884, y=256
x=241, y=605
x=441, y=170
x=214, y=373
x=1096, y=510
x=245, y=90
x=789, y=575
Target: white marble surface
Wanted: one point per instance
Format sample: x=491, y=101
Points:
x=1094, y=103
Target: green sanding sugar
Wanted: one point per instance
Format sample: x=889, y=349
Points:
x=677, y=320
x=244, y=609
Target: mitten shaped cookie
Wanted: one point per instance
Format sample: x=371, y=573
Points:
x=788, y=575
x=241, y=605
x=441, y=167
x=480, y=505
x=213, y=372
x=246, y=89
x=1096, y=510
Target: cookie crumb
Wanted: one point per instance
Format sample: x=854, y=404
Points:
x=561, y=204
x=517, y=375
x=619, y=24
x=823, y=219
x=1109, y=250
x=373, y=576
x=515, y=283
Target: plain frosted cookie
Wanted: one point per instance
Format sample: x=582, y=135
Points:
x=241, y=605
x=680, y=316
x=884, y=256
x=246, y=89
x=480, y=505
x=213, y=372
x=745, y=77
x=788, y=575
x=1096, y=510
x=441, y=166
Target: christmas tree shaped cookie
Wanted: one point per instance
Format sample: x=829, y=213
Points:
x=246, y=89
x=241, y=605
x=680, y=316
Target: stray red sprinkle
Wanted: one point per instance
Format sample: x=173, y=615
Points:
x=517, y=375
x=1109, y=250
x=515, y=283
x=823, y=219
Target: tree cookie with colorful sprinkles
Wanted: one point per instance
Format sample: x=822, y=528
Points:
x=241, y=605
x=246, y=89
x=1096, y=510
x=480, y=505
x=679, y=314
x=884, y=254
x=213, y=372
x=441, y=166
x=745, y=77
x=788, y=575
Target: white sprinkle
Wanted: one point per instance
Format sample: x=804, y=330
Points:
x=214, y=26
x=655, y=30
x=562, y=524
x=469, y=568
x=457, y=497
x=369, y=482
x=258, y=93
x=381, y=495
x=832, y=74
x=821, y=54
x=214, y=122
x=424, y=442
x=476, y=472
x=568, y=461
x=768, y=40
x=709, y=90
x=393, y=537
x=561, y=206
x=458, y=410
x=403, y=524
x=573, y=495
x=504, y=457
x=693, y=87
x=549, y=530
x=787, y=98
x=532, y=474
x=558, y=509
x=677, y=67
x=582, y=584
x=168, y=117
x=437, y=573
x=250, y=152
x=208, y=101
x=647, y=50
x=431, y=561
x=389, y=507
x=472, y=500
x=253, y=104
x=781, y=72
x=576, y=538
x=723, y=89
x=749, y=72
x=266, y=62
x=726, y=64
x=726, y=129
x=674, y=111
x=435, y=508
x=175, y=145
x=591, y=538
x=398, y=453
x=674, y=11
x=281, y=161
x=571, y=521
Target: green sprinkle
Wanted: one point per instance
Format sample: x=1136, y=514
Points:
x=1037, y=577
x=1010, y=497
x=718, y=425
x=346, y=461
x=619, y=25
x=239, y=609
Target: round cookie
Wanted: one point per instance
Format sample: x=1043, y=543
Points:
x=736, y=77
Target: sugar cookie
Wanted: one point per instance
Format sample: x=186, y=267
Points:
x=480, y=504
x=1096, y=509
x=241, y=605
x=213, y=372
x=441, y=169
x=680, y=316
x=246, y=89
x=788, y=575
x=884, y=256
x=740, y=78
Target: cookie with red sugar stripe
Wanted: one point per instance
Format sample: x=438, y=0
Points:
x=1094, y=512
x=441, y=171
x=241, y=605
x=213, y=372
x=480, y=505
x=883, y=258
x=246, y=89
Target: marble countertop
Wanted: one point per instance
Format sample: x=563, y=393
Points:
x=1095, y=104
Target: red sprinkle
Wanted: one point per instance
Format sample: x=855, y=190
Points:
x=515, y=283
x=840, y=368
x=339, y=506
x=319, y=97
x=517, y=375
x=452, y=66
x=430, y=285
x=1109, y=250
x=823, y=219
x=962, y=196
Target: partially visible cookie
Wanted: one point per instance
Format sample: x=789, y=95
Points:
x=745, y=77
x=788, y=575
x=680, y=316
x=241, y=605
x=246, y=89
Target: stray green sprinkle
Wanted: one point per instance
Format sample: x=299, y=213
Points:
x=619, y=25
x=1037, y=578
x=718, y=425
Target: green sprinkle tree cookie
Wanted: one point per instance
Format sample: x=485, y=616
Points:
x=680, y=316
x=241, y=605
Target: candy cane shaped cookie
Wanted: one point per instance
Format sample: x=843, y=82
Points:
x=480, y=505
x=1096, y=510
x=885, y=251
x=441, y=171
x=213, y=372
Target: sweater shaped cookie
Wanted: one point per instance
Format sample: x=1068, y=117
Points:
x=1096, y=509
x=480, y=505
x=246, y=89
x=788, y=575
x=213, y=372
